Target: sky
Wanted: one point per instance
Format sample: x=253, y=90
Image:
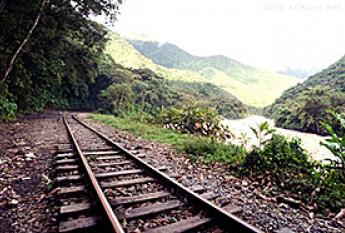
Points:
x=267, y=34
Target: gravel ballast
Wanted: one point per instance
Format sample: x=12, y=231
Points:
x=259, y=210
x=27, y=204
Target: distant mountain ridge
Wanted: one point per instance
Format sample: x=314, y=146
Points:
x=171, y=56
x=253, y=87
x=300, y=73
x=237, y=78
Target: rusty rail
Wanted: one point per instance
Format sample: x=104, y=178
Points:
x=108, y=213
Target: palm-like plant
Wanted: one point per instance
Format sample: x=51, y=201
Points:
x=262, y=132
x=336, y=142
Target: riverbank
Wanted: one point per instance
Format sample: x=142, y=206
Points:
x=311, y=142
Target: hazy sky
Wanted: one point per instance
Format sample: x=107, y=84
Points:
x=269, y=34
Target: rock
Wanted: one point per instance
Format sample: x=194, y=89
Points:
x=30, y=155
x=341, y=214
x=14, y=150
x=14, y=202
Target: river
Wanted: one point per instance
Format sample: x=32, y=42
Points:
x=311, y=142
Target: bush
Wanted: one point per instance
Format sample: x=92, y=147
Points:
x=289, y=170
x=8, y=109
x=336, y=142
x=211, y=150
x=136, y=113
x=278, y=154
x=194, y=120
x=333, y=182
x=331, y=188
x=285, y=165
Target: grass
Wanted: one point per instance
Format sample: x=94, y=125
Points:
x=283, y=161
x=198, y=148
x=144, y=130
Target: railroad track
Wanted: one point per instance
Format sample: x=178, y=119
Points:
x=105, y=188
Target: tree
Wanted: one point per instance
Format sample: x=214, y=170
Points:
x=49, y=50
x=24, y=42
x=120, y=95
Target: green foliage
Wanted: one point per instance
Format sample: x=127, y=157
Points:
x=336, y=143
x=152, y=92
x=144, y=130
x=194, y=120
x=289, y=169
x=209, y=95
x=244, y=139
x=305, y=105
x=286, y=164
x=7, y=109
x=306, y=111
x=120, y=95
x=262, y=132
x=250, y=85
x=48, y=182
x=331, y=189
x=58, y=65
x=211, y=150
x=278, y=154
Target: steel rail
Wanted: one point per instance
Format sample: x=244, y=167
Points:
x=108, y=213
x=226, y=220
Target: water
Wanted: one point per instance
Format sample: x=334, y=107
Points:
x=311, y=142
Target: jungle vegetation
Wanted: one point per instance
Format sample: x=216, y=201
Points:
x=305, y=105
x=144, y=89
x=49, y=52
x=53, y=56
x=239, y=79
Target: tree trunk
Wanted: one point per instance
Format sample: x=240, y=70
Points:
x=24, y=42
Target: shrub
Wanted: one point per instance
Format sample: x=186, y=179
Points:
x=289, y=169
x=136, y=113
x=211, y=150
x=333, y=182
x=285, y=163
x=194, y=120
x=262, y=133
x=336, y=141
x=277, y=155
x=8, y=109
x=331, y=186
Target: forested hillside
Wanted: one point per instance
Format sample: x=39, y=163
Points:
x=252, y=86
x=55, y=58
x=148, y=91
x=303, y=107
x=49, y=53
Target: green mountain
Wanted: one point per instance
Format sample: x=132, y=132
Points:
x=150, y=91
x=303, y=106
x=252, y=86
x=125, y=54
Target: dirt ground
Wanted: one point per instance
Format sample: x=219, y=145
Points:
x=26, y=151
